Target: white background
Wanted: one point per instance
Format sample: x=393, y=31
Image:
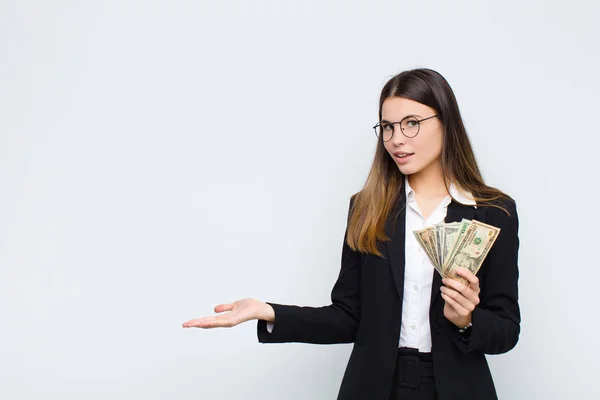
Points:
x=159, y=158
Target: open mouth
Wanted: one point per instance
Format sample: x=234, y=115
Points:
x=404, y=155
x=403, y=158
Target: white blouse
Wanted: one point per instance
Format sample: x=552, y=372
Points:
x=415, y=331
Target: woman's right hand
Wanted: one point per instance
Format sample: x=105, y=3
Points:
x=239, y=311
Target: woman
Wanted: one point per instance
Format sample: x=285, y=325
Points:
x=415, y=335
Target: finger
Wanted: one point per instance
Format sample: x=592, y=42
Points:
x=194, y=322
x=458, y=298
x=224, y=307
x=468, y=275
x=206, y=321
x=460, y=310
x=219, y=321
x=470, y=293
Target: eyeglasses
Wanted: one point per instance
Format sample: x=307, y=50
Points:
x=409, y=126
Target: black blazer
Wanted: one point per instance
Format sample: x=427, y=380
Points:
x=366, y=309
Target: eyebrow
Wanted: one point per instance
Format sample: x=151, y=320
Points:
x=409, y=115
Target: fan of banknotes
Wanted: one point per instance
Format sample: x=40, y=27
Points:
x=457, y=244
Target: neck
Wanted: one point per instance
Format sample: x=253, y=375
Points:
x=428, y=182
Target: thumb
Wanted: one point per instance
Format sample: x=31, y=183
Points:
x=224, y=307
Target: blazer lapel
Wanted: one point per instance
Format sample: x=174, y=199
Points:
x=455, y=213
x=395, y=229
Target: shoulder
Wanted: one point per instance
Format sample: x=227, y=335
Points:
x=507, y=203
x=501, y=212
x=353, y=199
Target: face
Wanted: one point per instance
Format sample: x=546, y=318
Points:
x=462, y=260
x=424, y=149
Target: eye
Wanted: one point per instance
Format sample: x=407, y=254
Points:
x=387, y=127
x=411, y=123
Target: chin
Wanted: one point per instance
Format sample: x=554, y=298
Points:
x=407, y=169
x=414, y=168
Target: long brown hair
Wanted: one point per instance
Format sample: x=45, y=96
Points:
x=380, y=194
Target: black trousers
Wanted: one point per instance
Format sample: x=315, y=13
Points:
x=414, y=378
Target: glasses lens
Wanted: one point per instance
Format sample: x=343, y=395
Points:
x=410, y=126
x=384, y=131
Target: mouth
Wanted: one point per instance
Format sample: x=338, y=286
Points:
x=402, y=157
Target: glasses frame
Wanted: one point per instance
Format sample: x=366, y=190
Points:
x=377, y=125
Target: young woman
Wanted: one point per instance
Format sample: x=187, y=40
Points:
x=415, y=335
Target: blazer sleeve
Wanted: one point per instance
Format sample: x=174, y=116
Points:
x=335, y=323
x=496, y=319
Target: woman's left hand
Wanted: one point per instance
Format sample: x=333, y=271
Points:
x=460, y=299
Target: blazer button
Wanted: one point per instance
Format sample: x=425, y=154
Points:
x=437, y=328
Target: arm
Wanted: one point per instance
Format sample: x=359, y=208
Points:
x=335, y=323
x=497, y=317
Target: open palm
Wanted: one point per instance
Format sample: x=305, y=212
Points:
x=239, y=311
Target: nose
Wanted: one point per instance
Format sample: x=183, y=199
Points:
x=398, y=138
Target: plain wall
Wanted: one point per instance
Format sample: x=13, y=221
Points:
x=158, y=158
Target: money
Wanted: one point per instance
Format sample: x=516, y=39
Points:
x=451, y=231
x=438, y=230
x=423, y=240
x=457, y=238
x=457, y=244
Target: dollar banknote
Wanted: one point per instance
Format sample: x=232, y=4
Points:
x=457, y=238
x=450, y=233
x=430, y=233
x=470, y=252
x=439, y=240
x=423, y=240
x=457, y=244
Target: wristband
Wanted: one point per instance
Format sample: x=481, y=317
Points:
x=466, y=328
